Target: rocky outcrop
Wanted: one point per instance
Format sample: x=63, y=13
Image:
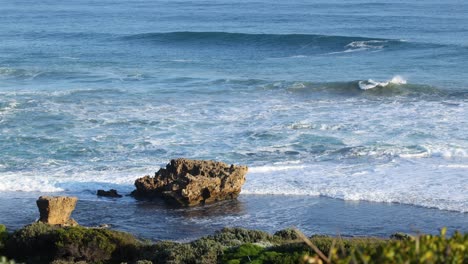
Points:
x=192, y=182
x=56, y=210
x=111, y=193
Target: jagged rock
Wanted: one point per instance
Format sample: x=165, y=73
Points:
x=193, y=182
x=56, y=210
x=110, y=193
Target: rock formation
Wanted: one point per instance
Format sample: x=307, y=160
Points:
x=56, y=210
x=192, y=182
x=111, y=193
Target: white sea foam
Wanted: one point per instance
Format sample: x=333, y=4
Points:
x=370, y=84
x=418, y=184
x=367, y=44
x=363, y=45
x=63, y=180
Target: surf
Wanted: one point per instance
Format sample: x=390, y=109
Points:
x=371, y=84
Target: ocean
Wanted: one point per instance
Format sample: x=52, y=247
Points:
x=337, y=107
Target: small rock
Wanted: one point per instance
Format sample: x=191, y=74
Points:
x=56, y=210
x=110, y=193
x=193, y=182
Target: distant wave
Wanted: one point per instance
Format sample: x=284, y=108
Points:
x=322, y=43
x=80, y=75
x=397, y=86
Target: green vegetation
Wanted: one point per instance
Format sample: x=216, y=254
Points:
x=3, y=237
x=41, y=243
x=404, y=249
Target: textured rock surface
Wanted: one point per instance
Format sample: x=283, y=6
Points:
x=193, y=182
x=56, y=210
x=110, y=193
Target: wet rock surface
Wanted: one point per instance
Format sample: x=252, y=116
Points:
x=192, y=182
x=111, y=193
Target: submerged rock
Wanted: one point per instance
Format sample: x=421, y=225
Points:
x=110, y=193
x=56, y=210
x=192, y=182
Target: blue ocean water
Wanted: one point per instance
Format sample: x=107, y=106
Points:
x=355, y=100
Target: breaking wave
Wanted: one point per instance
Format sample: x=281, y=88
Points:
x=370, y=84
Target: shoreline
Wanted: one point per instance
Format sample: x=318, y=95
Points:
x=313, y=215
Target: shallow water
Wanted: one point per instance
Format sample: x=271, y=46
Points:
x=313, y=215
x=355, y=101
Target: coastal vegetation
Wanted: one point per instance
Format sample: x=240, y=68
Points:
x=42, y=243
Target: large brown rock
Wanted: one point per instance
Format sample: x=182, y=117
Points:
x=56, y=210
x=192, y=182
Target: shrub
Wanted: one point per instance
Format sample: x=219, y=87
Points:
x=34, y=242
x=83, y=244
x=42, y=243
x=251, y=253
x=206, y=250
x=200, y=251
x=3, y=237
x=287, y=234
x=400, y=236
x=94, y=245
x=238, y=236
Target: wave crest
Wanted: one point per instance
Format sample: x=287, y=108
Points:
x=370, y=84
x=305, y=43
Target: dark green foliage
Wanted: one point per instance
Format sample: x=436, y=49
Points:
x=34, y=242
x=204, y=250
x=199, y=251
x=251, y=253
x=400, y=236
x=238, y=236
x=42, y=243
x=94, y=245
x=81, y=244
x=244, y=251
x=207, y=250
x=287, y=234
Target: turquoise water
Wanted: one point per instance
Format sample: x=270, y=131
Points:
x=356, y=101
